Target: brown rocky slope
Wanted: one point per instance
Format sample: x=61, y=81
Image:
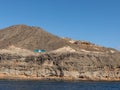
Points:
x=32, y=38
x=29, y=38
x=71, y=60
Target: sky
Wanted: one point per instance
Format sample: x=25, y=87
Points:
x=96, y=21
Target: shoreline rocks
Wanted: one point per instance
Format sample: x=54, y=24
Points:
x=65, y=66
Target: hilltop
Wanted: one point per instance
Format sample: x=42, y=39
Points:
x=31, y=38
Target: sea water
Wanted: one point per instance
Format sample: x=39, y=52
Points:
x=57, y=85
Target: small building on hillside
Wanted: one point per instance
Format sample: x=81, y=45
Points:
x=39, y=50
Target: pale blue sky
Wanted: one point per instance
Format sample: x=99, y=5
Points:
x=97, y=21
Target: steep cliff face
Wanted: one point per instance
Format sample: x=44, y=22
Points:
x=78, y=66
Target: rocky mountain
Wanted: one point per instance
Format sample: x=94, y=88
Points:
x=64, y=59
x=29, y=38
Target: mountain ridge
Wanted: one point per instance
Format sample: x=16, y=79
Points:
x=31, y=38
x=28, y=37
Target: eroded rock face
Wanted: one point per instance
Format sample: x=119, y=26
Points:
x=80, y=66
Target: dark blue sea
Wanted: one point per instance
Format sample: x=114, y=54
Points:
x=57, y=85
